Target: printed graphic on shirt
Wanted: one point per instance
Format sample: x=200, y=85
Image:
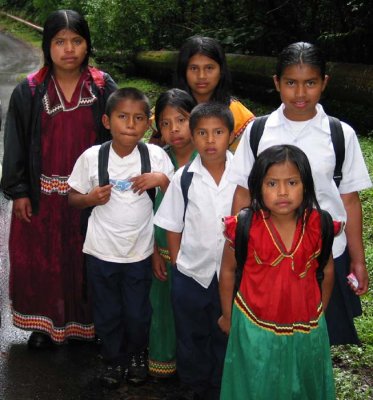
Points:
x=121, y=185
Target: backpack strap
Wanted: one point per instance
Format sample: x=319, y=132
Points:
x=244, y=218
x=256, y=133
x=338, y=141
x=327, y=233
x=103, y=161
x=185, y=181
x=146, y=167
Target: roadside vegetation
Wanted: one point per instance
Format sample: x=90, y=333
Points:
x=353, y=365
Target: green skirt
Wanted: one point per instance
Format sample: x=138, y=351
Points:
x=261, y=365
x=162, y=341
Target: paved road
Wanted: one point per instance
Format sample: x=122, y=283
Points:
x=67, y=372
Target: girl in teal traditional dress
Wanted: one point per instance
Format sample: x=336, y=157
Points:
x=172, y=111
x=278, y=342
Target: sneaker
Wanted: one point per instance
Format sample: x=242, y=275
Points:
x=113, y=377
x=138, y=368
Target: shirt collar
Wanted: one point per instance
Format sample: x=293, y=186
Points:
x=197, y=167
x=320, y=120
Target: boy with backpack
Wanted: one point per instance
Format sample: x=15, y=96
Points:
x=195, y=202
x=119, y=241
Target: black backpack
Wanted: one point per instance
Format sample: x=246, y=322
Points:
x=337, y=137
x=244, y=218
x=103, y=176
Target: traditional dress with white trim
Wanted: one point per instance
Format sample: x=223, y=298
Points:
x=278, y=344
x=46, y=276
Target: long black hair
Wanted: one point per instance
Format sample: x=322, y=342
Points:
x=301, y=53
x=65, y=19
x=176, y=98
x=211, y=48
x=278, y=155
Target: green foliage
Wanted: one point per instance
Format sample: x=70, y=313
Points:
x=342, y=29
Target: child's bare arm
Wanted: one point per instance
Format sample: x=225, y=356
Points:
x=328, y=282
x=241, y=199
x=96, y=197
x=173, y=242
x=159, y=265
x=226, y=287
x=150, y=180
x=351, y=202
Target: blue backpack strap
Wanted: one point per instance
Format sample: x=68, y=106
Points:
x=244, y=218
x=256, y=133
x=185, y=181
x=146, y=167
x=338, y=141
x=327, y=233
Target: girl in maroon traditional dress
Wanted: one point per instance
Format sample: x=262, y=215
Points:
x=54, y=115
x=278, y=342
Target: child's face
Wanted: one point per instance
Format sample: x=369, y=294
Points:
x=202, y=75
x=68, y=50
x=211, y=138
x=174, y=127
x=282, y=190
x=127, y=123
x=300, y=88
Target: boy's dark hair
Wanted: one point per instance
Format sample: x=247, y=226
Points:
x=278, y=155
x=64, y=19
x=211, y=48
x=301, y=53
x=210, y=110
x=175, y=98
x=128, y=93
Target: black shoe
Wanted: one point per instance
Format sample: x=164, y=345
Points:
x=113, y=377
x=138, y=369
x=38, y=340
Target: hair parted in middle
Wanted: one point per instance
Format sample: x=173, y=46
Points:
x=280, y=154
x=211, y=48
x=301, y=53
x=175, y=98
x=64, y=19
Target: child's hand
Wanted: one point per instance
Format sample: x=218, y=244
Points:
x=224, y=324
x=147, y=181
x=361, y=273
x=100, y=195
x=159, y=267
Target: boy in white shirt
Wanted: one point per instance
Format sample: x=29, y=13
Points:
x=119, y=240
x=196, y=244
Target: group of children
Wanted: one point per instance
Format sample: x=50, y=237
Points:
x=160, y=242
x=273, y=343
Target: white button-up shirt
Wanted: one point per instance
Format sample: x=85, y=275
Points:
x=314, y=139
x=202, y=240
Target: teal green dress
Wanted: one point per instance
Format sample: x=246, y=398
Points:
x=162, y=341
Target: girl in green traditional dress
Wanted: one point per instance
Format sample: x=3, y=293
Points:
x=278, y=344
x=172, y=111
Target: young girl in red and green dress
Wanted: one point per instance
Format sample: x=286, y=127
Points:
x=278, y=342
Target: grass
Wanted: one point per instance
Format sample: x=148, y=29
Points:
x=353, y=365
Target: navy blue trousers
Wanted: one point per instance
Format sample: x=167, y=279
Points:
x=200, y=344
x=343, y=306
x=121, y=306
